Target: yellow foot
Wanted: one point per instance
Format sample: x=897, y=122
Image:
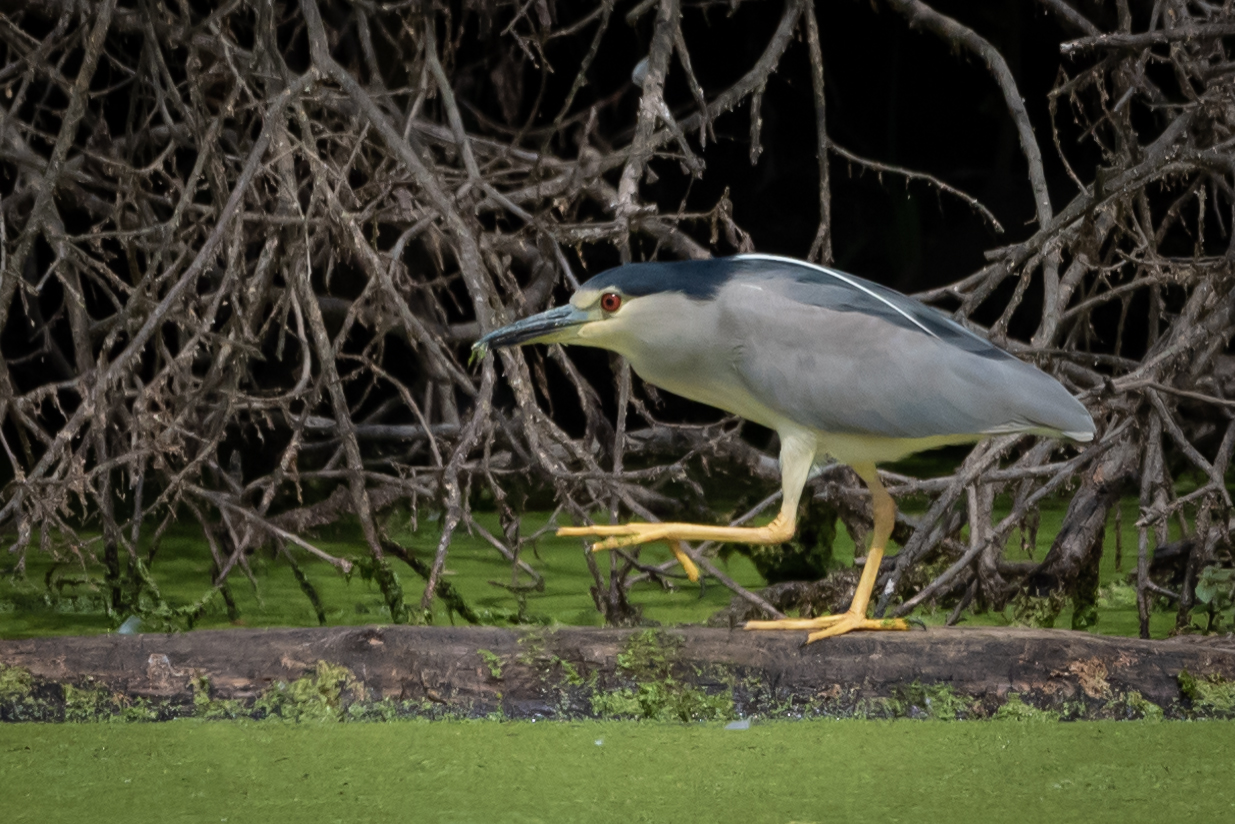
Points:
x=618, y=535
x=624, y=535
x=829, y=625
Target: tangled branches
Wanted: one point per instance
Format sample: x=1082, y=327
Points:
x=244, y=255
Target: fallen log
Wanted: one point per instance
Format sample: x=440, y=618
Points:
x=686, y=673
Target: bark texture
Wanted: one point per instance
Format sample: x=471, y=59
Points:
x=565, y=673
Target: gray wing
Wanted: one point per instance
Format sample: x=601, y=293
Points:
x=846, y=356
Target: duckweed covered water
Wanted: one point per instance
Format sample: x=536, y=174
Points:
x=815, y=771
x=182, y=570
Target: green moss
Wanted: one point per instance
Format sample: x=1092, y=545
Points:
x=936, y=701
x=85, y=704
x=139, y=710
x=534, y=653
x=493, y=661
x=531, y=647
x=620, y=704
x=1138, y=706
x=1210, y=695
x=648, y=658
x=16, y=684
x=1014, y=709
x=314, y=697
x=649, y=654
x=18, y=698
x=213, y=708
x=318, y=696
x=569, y=673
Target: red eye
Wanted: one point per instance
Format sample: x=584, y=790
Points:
x=611, y=301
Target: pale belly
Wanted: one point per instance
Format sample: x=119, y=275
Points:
x=847, y=448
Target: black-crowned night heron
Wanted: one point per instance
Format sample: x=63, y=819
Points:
x=835, y=364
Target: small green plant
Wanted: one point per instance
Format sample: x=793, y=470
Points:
x=317, y=696
x=937, y=701
x=1015, y=709
x=213, y=708
x=648, y=658
x=16, y=684
x=1209, y=694
x=1215, y=589
x=569, y=673
x=85, y=703
x=493, y=661
x=1138, y=706
x=17, y=699
x=99, y=704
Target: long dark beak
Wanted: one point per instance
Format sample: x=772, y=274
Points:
x=554, y=326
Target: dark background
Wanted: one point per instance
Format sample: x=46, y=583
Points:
x=894, y=95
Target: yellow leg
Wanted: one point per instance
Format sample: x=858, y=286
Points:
x=619, y=535
x=855, y=617
x=797, y=454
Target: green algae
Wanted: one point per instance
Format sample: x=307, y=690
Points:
x=214, y=709
x=1015, y=709
x=15, y=683
x=648, y=659
x=1210, y=695
x=604, y=772
x=56, y=599
x=493, y=661
x=317, y=696
x=648, y=681
x=97, y=704
x=936, y=701
x=1137, y=706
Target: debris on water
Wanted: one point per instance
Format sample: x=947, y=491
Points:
x=600, y=742
x=744, y=724
x=130, y=626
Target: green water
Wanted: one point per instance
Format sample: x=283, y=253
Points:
x=182, y=570
x=815, y=771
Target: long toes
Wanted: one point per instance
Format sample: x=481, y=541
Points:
x=832, y=631
x=618, y=541
x=595, y=529
x=796, y=623
x=785, y=623
x=853, y=623
x=692, y=571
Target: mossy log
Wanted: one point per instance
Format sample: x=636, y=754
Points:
x=687, y=673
